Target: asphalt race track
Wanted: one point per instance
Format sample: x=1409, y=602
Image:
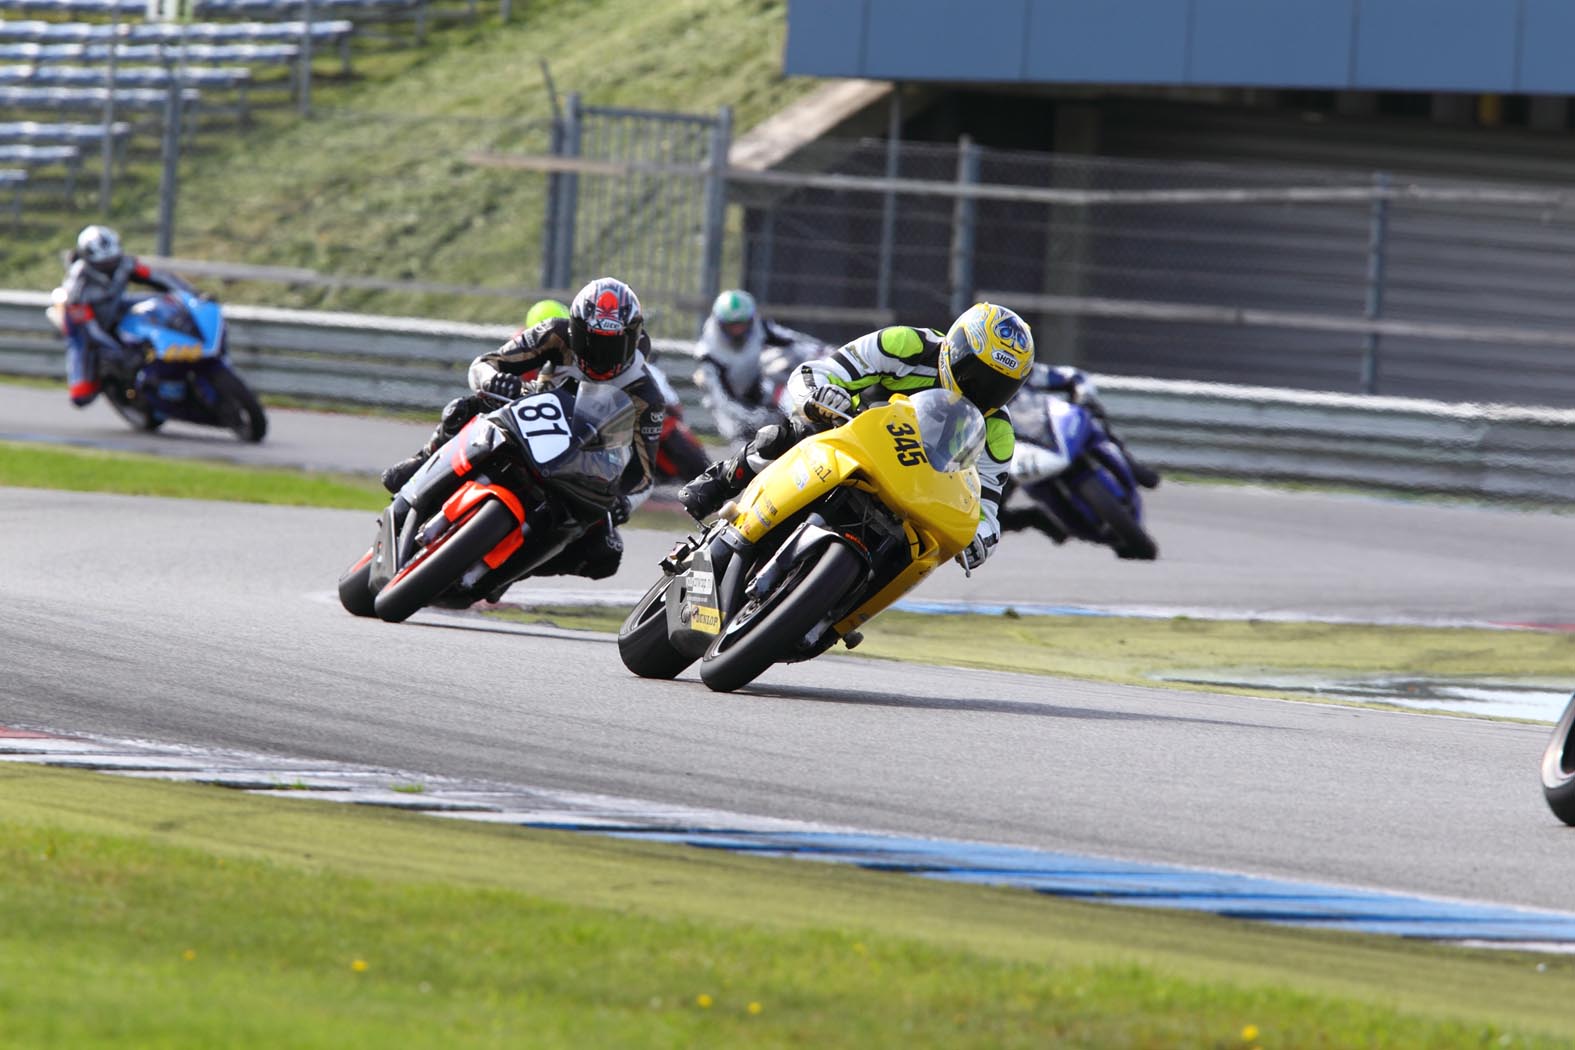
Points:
x=214, y=624
x=1236, y=548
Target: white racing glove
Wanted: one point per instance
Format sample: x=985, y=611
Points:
x=828, y=406
x=1031, y=463
x=974, y=555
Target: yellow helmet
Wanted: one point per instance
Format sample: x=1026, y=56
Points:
x=987, y=355
x=543, y=310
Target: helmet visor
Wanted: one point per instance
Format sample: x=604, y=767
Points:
x=977, y=381
x=603, y=356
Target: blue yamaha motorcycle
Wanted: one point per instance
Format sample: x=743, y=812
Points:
x=1080, y=478
x=185, y=372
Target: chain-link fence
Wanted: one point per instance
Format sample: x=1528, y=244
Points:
x=1094, y=250
x=1279, y=277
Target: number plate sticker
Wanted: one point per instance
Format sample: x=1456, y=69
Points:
x=541, y=421
x=701, y=584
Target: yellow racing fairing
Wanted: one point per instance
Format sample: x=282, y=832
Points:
x=915, y=455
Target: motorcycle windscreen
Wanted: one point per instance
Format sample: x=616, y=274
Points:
x=951, y=429
x=209, y=318
x=167, y=327
x=1068, y=426
x=603, y=436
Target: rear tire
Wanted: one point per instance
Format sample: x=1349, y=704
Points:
x=733, y=661
x=435, y=568
x=355, y=588
x=643, y=642
x=238, y=407
x=1131, y=541
x=1558, y=768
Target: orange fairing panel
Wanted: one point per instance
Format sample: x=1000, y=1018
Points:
x=469, y=497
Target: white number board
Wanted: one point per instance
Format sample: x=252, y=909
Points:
x=540, y=418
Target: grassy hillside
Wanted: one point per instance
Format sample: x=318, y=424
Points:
x=376, y=183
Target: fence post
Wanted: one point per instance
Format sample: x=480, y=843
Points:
x=888, y=214
x=108, y=151
x=963, y=211
x=174, y=115
x=568, y=196
x=1377, y=248
x=549, y=232
x=764, y=254
x=306, y=58
x=716, y=207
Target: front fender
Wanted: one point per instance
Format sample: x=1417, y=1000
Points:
x=808, y=538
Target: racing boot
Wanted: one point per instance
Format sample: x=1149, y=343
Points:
x=715, y=485
x=1015, y=519
x=456, y=414
x=1142, y=473
x=394, y=477
x=726, y=478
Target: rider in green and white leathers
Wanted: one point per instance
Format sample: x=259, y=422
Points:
x=985, y=357
x=901, y=360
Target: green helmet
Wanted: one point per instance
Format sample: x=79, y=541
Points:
x=543, y=310
x=734, y=314
x=733, y=306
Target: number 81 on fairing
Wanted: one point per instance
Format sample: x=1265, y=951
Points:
x=541, y=424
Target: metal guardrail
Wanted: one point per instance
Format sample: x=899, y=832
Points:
x=1251, y=432
x=395, y=362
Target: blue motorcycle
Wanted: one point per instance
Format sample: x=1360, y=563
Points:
x=178, y=368
x=1080, y=479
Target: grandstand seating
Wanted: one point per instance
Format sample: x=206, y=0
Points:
x=332, y=32
x=67, y=157
x=235, y=79
x=127, y=76
x=204, y=54
x=12, y=180
x=219, y=10
x=212, y=9
x=54, y=59
x=84, y=137
x=91, y=99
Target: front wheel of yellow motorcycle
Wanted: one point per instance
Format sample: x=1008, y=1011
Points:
x=743, y=652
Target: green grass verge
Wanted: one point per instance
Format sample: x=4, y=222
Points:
x=38, y=466
x=141, y=913
x=83, y=470
x=1136, y=651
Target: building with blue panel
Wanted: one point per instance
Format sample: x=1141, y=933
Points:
x=1501, y=46
x=1313, y=90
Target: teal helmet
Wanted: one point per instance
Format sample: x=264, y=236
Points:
x=543, y=310
x=734, y=314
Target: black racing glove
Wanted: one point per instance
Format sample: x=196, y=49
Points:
x=504, y=385
x=620, y=511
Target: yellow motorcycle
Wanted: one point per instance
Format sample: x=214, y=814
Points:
x=825, y=537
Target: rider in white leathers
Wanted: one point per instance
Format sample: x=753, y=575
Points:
x=732, y=345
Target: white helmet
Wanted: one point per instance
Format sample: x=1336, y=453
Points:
x=99, y=246
x=734, y=314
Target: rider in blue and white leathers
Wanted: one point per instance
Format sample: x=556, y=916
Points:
x=91, y=300
x=1034, y=460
